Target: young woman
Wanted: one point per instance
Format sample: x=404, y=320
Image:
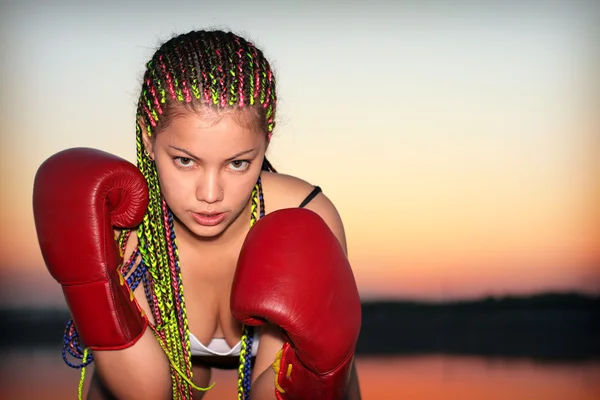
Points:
x=202, y=256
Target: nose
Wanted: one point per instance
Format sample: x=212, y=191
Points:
x=209, y=188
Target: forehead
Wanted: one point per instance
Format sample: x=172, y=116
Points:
x=211, y=135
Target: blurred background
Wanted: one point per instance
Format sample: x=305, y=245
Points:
x=459, y=140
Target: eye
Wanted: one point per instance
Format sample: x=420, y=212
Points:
x=183, y=162
x=239, y=165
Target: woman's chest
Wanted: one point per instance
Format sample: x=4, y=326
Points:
x=206, y=288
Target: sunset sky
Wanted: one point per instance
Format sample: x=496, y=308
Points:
x=461, y=144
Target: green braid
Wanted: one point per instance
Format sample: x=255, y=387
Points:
x=214, y=69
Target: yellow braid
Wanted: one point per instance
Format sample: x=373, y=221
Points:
x=82, y=378
x=152, y=235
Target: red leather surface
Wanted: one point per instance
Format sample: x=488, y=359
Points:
x=79, y=195
x=293, y=272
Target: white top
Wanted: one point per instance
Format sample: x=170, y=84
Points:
x=219, y=347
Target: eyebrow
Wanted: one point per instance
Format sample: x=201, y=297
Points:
x=198, y=158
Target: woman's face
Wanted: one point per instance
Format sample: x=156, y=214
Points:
x=207, y=168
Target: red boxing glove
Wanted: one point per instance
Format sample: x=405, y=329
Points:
x=293, y=273
x=78, y=196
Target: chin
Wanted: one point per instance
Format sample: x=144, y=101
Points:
x=207, y=232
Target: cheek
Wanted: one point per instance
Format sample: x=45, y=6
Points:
x=172, y=186
x=239, y=189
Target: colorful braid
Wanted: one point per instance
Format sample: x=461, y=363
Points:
x=214, y=69
x=199, y=69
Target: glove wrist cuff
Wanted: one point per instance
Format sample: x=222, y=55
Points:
x=293, y=380
x=105, y=313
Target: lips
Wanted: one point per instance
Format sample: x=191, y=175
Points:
x=209, y=219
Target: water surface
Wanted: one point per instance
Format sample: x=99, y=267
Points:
x=41, y=374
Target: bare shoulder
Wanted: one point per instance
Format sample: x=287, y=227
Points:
x=286, y=191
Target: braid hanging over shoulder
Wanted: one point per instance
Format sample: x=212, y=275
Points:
x=214, y=69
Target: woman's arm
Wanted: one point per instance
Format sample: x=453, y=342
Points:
x=354, y=386
x=97, y=390
x=263, y=375
x=137, y=372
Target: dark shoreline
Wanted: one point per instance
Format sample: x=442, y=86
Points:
x=546, y=327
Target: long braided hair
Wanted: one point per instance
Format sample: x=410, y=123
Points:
x=215, y=69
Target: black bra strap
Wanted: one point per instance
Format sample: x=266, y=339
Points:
x=311, y=196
